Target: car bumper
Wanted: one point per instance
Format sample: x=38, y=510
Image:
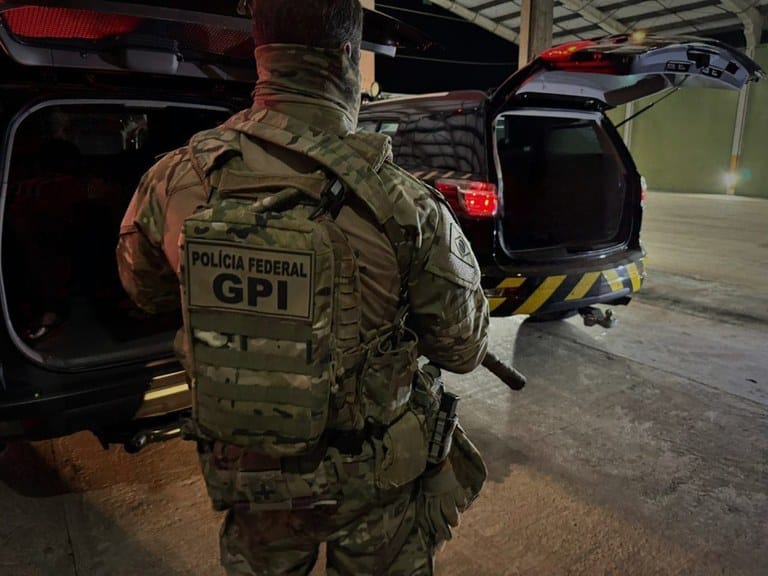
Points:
x=543, y=293
x=37, y=414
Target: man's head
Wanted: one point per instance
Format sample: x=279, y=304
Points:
x=319, y=23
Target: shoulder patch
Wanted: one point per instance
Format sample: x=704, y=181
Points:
x=451, y=256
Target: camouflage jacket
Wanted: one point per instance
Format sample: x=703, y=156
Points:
x=319, y=88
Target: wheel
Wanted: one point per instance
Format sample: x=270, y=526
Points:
x=552, y=316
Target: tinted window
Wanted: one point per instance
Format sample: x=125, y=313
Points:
x=389, y=128
x=574, y=139
x=449, y=141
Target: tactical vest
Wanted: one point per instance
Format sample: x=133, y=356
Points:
x=271, y=296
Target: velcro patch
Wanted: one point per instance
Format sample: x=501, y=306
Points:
x=460, y=246
x=455, y=261
x=253, y=280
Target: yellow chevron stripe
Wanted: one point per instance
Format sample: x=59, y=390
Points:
x=511, y=283
x=584, y=285
x=614, y=280
x=494, y=303
x=541, y=295
x=634, y=275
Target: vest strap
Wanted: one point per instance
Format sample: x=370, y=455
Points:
x=247, y=326
x=253, y=360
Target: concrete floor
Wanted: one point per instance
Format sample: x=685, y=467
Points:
x=639, y=450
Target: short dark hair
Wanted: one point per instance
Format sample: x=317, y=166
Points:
x=319, y=23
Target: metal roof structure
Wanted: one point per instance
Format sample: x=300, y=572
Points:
x=585, y=19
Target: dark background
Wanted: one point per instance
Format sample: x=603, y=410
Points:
x=468, y=56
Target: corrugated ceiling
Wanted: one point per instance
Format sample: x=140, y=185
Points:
x=583, y=19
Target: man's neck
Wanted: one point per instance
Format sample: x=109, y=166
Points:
x=319, y=87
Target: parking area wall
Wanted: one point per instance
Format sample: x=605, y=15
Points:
x=683, y=144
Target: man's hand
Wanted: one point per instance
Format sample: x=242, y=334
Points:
x=440, y=501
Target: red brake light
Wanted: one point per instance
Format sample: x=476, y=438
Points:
x=473, y=198
x=42, y=22
x=564, y=52
x=643, y=190
x=574, y=56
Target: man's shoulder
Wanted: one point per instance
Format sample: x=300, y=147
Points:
x=172, y=172
x=411, y=196
x=209, y=147
x=188, y=165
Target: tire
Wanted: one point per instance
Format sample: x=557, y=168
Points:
x=553, y=316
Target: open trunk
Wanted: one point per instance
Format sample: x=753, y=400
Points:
x=74, y=167
x=564, y=185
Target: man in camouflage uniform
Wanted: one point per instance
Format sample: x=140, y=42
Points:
x=308, y=67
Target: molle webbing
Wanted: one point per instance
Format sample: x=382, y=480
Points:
x=275, y=383
x=258, y=296
x=244, y=325
x=354, y=159
x=342, y=156
x=253, y=360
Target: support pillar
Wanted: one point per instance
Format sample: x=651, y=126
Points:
x=535, y=28
x=368, y=60
x=737, y=144
x=753, y=22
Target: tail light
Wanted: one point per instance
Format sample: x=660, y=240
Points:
x=643, y=190
x=473, y=198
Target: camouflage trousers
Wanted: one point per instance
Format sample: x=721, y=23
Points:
x=367, y=531
x=375, y=538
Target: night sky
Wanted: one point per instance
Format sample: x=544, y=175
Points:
x=477, y=59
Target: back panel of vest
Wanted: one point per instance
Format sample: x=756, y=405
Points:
x=259, y=298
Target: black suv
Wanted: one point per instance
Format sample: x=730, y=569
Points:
x=544, y=186
x=91, y=94
x=94, y=91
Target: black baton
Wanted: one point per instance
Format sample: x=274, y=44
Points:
x=504, y=372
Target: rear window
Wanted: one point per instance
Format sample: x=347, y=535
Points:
x=450, y=141
x=574, y=139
